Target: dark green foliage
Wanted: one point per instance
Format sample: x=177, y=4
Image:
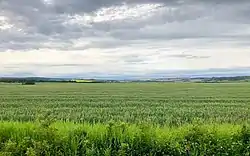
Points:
x=28, y=83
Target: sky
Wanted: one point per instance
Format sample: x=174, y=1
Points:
x=124, y=38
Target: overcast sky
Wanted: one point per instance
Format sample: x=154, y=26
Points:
x=122, y=37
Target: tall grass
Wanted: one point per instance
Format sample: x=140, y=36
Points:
x=122, y=139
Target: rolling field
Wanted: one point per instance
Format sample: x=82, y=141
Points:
x=158, y=103
x=125, y=119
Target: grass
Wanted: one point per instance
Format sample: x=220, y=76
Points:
x=122, y=139
x=157, y=103
x=125, y=119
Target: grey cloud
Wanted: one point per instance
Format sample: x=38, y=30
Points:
x=188, y=56
x=40, y=65
x=105, y=44
x=74, y=6
x=135, y=59
x=192, y=19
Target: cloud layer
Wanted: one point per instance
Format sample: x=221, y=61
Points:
x=122, y=37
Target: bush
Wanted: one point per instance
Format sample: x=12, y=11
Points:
x=28, y=83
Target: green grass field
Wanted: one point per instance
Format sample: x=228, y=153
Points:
x=125, y=119
x=158, y=103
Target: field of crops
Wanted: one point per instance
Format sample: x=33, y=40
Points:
x=152, y=118
x=161, y=103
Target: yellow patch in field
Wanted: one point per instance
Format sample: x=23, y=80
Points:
x=83, y=81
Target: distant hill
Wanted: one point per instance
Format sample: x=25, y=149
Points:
x=69, y=80
x=35, y=79
x=207, y=79
x=44, y=79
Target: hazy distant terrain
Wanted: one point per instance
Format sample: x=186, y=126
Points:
x=173, y=79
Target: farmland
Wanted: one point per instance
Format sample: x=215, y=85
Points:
x=159, y=103
x=165, y=114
